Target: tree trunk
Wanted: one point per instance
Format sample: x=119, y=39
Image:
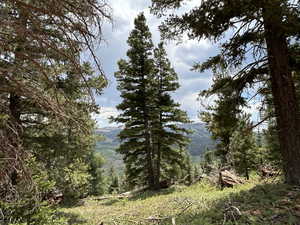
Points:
x=158, y=162
x=149, y=150
x=14, y=108
x=151, y=181
x=15, y=112
x=246, y=167
x=283, y=90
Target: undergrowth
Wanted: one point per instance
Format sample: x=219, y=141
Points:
x=255, y=203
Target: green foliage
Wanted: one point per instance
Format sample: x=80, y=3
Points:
x=210, y=162
x=26, y=206
x=222, y=118
x=135, y=84
x=97, y=177
x=114, y=185
x=46, y=100
x=243, y=148
x=259, y=49
x=189, y=177
x=74, y=180
x=52, y=142
x=169, y=138
x=152, y=142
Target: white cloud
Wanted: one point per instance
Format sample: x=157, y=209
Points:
x=182, y=57
x=103, y=118
x=190, y=104
x=189, y=101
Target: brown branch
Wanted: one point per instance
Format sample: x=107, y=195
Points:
x=256, y=125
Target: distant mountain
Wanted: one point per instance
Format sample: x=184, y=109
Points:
x=200, y=141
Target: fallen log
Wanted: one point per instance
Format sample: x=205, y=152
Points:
x=128, y=194
x=228, y=179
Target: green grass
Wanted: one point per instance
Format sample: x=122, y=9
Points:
x=201, y=204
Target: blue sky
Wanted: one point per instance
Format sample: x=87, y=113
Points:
x=182, y=57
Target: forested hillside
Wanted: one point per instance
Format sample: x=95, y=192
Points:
x=200, y=142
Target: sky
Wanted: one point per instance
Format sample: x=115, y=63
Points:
x=182, y=57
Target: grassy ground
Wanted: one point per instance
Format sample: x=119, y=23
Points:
x=255, y=203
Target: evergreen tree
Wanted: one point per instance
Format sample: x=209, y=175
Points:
x=263, y=28
x=51, y=142
x=114, y=186
x=135, y=82
x=209, y=162
x=46, y=101
x=39, y=40
x=197, y=173
x=168, y=137
x=189, y=177
x=222, y=117
x=243, y=148
x=97, y=176
x=272, y=146
x=153, y=142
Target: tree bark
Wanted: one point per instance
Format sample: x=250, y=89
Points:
x=158, y=152
x=246, y=167
x=283, y=90
x=148, y=144
x=158, y=162
x=151, y=181
x=14, y=108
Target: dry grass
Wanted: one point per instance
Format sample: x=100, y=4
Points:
x=201, y=204
x=186, y=201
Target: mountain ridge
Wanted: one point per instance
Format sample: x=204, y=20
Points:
x=200, y=142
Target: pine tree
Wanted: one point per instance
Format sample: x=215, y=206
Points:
x=40, y=46
x=153, y=142
x=189, y=176
x=264, y=29
x=47, y=96
x=46, y=100
x=168, y=137
x=114, y=186
x=51, y=141
x=96, y=172
x=135, y=82
x=243, y=149
x=222, y=117
x=272, y=146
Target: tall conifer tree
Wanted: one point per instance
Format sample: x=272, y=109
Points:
x=153, y=143
x=135, y=79
x=168, y=137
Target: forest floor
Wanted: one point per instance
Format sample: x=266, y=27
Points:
x=256, y=203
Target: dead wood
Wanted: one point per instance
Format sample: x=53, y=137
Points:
x=228, y=179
